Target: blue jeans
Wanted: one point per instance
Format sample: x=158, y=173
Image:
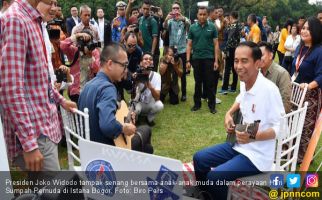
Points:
x=227, y=164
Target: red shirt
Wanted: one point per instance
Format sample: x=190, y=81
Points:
x=27, y=101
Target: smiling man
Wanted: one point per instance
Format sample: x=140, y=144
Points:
x=248, y=155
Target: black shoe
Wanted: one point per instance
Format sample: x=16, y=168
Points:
x=195, y=108
x=184, y=98
x=152, y=123
x=213, y=110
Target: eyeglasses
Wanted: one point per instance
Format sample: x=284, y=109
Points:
x=124, y=65
x=175, y=8
x=131, y=46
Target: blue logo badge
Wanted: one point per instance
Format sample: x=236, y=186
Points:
x=100, y=172
x=293, y=180
x=276, y=181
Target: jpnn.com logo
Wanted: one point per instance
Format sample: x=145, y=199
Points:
x=276, y=181
x=293, y=180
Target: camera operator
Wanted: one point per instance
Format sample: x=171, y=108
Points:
x=150, y=87
x=81, y=50
x=133, y=27
x=170, y=69
x=177, y=26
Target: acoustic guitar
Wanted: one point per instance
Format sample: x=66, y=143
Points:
x=123, y=115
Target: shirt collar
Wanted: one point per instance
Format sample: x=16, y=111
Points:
x=33, y=13
x=257, y=85
x=102, y=75
x=206, y=24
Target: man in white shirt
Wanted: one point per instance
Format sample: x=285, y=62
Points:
x=149, y=103
x=259, y=99
x=72, y=21
x=104, y=28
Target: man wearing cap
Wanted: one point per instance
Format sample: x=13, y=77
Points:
x=119, y=22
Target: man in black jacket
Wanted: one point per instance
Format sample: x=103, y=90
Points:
x=104, y=27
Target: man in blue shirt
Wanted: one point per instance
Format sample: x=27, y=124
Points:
x=100, y=97
x=119, y=22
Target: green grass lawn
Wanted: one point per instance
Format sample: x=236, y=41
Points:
x=179, y=133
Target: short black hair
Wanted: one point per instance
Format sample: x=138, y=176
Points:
x=210, y=9
x=110, y=52
x=267, y=46
x=146, y=53
x=147, y=2
x=302, y=17
x=256, y=52
x=320, y=11
x=234, y=14
x=252, y=17
x=72, y=6
x=289, y=22
x=202, y=8
x=134, y=8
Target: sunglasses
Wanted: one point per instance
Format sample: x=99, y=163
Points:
x=131, y=46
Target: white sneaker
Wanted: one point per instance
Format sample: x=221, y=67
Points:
x=218, y=101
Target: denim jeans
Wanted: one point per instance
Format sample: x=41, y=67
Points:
x=221, y=163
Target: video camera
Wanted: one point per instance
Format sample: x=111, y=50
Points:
x=60, y=76
x=175, y=54
x=135, y=28
x=90, y=45
x=142, y=74
x=56, y=21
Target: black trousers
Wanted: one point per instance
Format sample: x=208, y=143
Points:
x=183, y=57
x=141, y=141
x=203, y=71
x=156, y=59
x=230, y=67
x=280, y=57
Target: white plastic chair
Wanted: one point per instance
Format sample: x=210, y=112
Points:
x=297, y=95
x=286, y=154
x=76, y=126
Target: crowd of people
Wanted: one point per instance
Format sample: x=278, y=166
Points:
x=97, y=60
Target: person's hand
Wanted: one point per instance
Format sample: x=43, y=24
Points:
x=69, y=105
x=57, y=86
x=133, y=118
x=229, y=123
x=64, y=69
x=188, y=66
x=129, y=129
x=86, y=37
x=131, y=1
x=163, y=68
x=216, y=66
x=242, y=137
x=33, y=160
x=303, y=85
x=172, y=60
x=148, y=85
x=160, y=13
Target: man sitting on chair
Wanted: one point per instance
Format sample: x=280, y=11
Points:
x=100, y=97
x=259, y=99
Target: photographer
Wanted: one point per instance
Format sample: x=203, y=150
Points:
x=177, y=26
x=150, y=87
x=133, y=27
x=81, y=50
x=170, y=69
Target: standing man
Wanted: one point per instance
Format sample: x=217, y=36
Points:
x=104, y=28
x=27, y=98
x=259, y=99
x=221, y=25
x=178, y=26
x=234, y=34
x=149, y=28
x=73, y=20
x=202, y=39
x=255, y=32
x=119, y=22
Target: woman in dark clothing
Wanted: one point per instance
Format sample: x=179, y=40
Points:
x=307, y=70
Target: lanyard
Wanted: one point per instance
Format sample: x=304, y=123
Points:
x=300, y=58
